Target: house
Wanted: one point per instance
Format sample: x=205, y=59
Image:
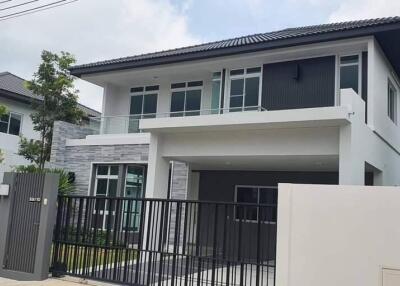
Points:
x=229, y=120
x=225, y=122
x=18, y=99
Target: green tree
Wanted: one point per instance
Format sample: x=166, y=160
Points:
x=53, y=82
x=3, y=111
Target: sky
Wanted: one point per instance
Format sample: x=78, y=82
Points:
x=95, y=30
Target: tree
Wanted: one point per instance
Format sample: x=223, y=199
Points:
x=3, y=111
x=53, y=82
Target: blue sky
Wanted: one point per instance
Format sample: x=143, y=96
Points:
x=102, y=29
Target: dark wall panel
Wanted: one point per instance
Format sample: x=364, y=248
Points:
x=299, y=84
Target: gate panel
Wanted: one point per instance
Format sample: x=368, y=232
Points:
x=24, y=223
x=176, y=242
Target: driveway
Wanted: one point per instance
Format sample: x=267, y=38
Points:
x=48, y=282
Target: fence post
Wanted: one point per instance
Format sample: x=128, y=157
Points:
x=18, y=203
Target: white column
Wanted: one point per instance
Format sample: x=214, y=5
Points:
x=351, y=164
x=158, y=170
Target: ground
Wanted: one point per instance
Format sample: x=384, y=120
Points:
x=49, y=282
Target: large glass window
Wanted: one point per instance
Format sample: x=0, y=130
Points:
x=11, y=123
x=392, y=102
x=216, y=93
x=134, y=188
x=143, y=105
x=349, y=72
x=266, y=197
x=116, y=180
x=186, y=98
x=244, y=89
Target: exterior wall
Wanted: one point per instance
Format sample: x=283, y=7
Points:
x=359, y=144
x=347, y=238
x=80, y=158
x=380, y=72
x=9, y=143
x=299, y=84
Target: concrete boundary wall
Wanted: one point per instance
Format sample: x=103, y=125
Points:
x=338, y=235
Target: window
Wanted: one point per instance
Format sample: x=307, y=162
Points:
x=116, y=180
x=216, y=93
x=392, y=102
x=350, y=76
x=134, y=188
x=11, y=123
x=143, y=105
x=244, y=89
x=256, y=195
x=186, y=98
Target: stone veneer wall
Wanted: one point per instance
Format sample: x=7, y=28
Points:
x=78, y=159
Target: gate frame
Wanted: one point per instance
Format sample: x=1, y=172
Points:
x=45, y=233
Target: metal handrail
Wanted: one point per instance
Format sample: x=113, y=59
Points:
x=201, y=111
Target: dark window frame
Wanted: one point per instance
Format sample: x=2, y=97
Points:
x=258, y=187
x=8, y=122
x=392, y=102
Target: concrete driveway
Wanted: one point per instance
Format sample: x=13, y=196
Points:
x=50, y=282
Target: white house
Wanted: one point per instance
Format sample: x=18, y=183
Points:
x=314, y=104
x=17, y=100
x=220, y=125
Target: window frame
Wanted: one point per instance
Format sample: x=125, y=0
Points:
x=338, y=73
x=9, y=121
x=258, y=202
x=143, y=93
x=244, y=76
x=217, y=79
x=185, y=90
x=391, y=86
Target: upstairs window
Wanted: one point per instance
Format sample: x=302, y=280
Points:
x=186, y=98
x=392, y=102
x=244, y=89
x=143, y=105
x=10, y=123
x=216, y=92
x=350, y=76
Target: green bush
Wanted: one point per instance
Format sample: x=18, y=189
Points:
x=65, y=185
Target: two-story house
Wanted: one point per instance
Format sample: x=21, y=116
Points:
x=18, y=101
x=220, y=125
x=229, y=120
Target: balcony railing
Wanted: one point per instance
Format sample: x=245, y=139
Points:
x=123, y=124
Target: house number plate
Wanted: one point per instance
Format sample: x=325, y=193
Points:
x=35, y=200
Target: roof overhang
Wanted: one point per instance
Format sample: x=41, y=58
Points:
x=388, y=36
x=17, y=97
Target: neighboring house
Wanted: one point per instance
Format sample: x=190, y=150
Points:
x=18, y=99
x=315, y=104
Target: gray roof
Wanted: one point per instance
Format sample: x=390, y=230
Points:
x=256, y=42
x=13, y=87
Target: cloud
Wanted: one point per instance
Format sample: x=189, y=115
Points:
x=92, y=30
x=364, y=9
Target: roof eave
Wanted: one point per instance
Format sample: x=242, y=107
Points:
x=282, y=43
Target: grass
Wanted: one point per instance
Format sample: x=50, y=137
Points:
x=75, y=258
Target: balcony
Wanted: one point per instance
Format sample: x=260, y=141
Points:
x=125, y=124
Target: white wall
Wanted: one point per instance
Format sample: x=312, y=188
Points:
x=380, y=72
x=337, y=235
x=9, y=143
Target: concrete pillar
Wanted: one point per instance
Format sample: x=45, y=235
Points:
x=351, y=164
x=158, y=170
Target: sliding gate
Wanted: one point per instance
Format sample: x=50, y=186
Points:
x=165, y=242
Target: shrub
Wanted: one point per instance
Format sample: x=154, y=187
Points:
x=65, y=186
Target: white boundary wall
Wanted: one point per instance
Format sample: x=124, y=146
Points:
x=338, y=235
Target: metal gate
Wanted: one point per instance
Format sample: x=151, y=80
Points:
x=24, y=223
x=165, y=242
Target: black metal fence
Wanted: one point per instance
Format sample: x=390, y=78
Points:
x=165, y=242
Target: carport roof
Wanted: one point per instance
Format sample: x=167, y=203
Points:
x=386, y=31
